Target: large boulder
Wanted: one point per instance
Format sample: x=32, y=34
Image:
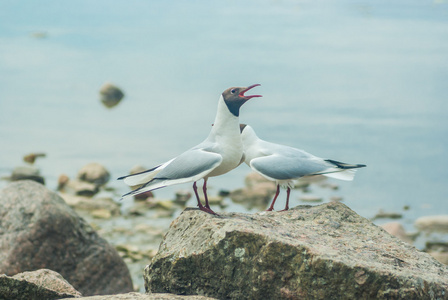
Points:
x=309, y=252
x=39, y=230
x=36, y=285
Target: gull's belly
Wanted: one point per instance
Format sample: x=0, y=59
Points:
x=231, y=159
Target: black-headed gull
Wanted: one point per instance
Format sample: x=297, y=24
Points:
x=221, y=152
x=284, y=164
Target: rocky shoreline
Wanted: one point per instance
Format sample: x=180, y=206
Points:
x=42, y=230
x=309, y=252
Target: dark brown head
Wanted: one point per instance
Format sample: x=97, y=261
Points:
x=234, y=97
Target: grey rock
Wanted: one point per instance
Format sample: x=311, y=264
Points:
x=80, y=188
x=381, y=214
x=110, y=95
x=27, y=173
x=311, y=198
x=40, y=284
x=396, y=229
x=438, y=250
x=94, y=173
x=254, y=178
x=257, y=195
x=39, y=230
x=432, y=223
x=308, y=252
x=336, y=198
x=182, y=197
x=92, y=205
x=138, y=296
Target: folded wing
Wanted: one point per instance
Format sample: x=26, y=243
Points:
x=277, y=167
x=191, y=165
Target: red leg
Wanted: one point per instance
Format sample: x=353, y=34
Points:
x=288, y=191
x=201, y=207
x=271, y=208
x=204, y=190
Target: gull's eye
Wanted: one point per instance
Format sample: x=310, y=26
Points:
x=233, y=91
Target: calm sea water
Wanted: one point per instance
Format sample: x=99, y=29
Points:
x=356, y=81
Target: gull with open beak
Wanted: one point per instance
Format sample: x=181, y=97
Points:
x=284, y=164
x=219, y=153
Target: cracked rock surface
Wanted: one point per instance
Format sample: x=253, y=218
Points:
x=319, y=252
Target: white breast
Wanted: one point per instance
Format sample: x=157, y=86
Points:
x=226, y=136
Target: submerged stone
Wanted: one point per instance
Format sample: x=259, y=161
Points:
x=27, y=173
x=110, y=95
x=432, y=223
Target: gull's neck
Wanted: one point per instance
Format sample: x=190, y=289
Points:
x=249, y=137
x=225, y=122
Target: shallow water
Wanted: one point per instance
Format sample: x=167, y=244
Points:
x=355, y=81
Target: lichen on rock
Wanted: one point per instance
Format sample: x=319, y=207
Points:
x=323, y=252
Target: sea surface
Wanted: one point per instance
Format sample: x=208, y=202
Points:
x=355, y=81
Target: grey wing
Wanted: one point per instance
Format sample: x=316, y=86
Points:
x=279, y=167
x=194, y=162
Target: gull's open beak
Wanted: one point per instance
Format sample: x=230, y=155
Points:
x=246, y=89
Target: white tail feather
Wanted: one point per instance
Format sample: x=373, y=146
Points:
x=347, y=175
x=138, y=179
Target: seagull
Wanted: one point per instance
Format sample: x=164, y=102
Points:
x=284, y=164
x=219, y=153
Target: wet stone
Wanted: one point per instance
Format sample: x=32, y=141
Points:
x=432, y=223
x=387, y=215
x=310, y=198
x=111, y=95
x=27, y=173
x=80, y=188
x=102, y=206
x=94, y=173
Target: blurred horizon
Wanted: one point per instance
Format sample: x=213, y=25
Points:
x=355, y=81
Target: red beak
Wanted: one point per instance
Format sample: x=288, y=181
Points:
x=246, y=89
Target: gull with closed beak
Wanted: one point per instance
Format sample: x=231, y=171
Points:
x=219, y=153
x=284, y=164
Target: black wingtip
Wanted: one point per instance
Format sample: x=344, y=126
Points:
x=345, y=166
x=146, y=171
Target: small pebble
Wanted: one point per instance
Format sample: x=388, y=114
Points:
x=310, y=198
